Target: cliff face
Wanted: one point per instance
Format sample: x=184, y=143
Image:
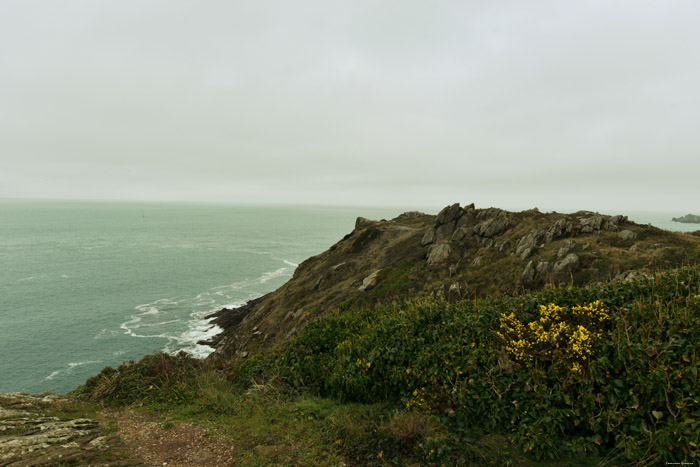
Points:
x=461, y=253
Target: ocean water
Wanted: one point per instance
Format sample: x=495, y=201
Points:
x=89, y=284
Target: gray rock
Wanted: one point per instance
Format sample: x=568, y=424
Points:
x=627, y=235
x=437, y=253
x=634, y=248
x=566, y=265
x=542, y=267
x=492, y=227
x=528, y=242
x=557, y=230
x=444, y=232
x=526, y=253
x=369, y=282
x=489, y=213
x=448, y=214
x=428, y=236
x=528, y=275
x=454, y=294
x=460, y=234
x=590, y=224
x=566, y=246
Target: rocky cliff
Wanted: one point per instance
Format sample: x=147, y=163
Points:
x=461, y=253
x=688, y=219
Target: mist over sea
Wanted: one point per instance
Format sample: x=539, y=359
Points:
x=89, y=284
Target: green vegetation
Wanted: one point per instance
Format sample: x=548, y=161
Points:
x=606, y=374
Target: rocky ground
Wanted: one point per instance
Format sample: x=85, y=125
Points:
x=40, y=430
x=50, y=430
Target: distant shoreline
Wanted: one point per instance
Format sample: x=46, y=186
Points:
x=687, y=219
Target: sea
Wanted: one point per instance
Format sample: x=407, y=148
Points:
x=84, y=285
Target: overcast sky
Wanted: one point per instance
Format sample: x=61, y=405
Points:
x=558, y=104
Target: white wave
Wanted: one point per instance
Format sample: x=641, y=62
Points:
x=30, y=278
x=65, y=276
x=290, y=263
x=271, y=275
x=74, y=364
x=70, y=367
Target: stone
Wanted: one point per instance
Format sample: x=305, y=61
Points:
x=528, y=275
x=448, y=214
x=566, y=246
x=627, y=235
x=460, y=234
x=492, y=227
x=437, y=253
x=566, y=265
x=428, y=236
x=528, y=242
x=590, y=224
x=634, y=248
x=557, y=230
x=542, y=267
x=444, y=232
x=454, y=294
x=526, y=253
x=369, y=282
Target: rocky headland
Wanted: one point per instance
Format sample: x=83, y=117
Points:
x=462, y=252
x=687, y=219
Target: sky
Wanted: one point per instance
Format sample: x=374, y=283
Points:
x=562, y=105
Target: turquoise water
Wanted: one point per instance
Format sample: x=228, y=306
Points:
x=86, y=284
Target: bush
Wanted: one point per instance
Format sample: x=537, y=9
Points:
x=635, y=391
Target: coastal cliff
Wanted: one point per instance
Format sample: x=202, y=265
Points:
x=470, y=337
x=460, y=253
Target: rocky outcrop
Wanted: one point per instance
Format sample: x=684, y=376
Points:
x=567, y=265
x=492, y=250
x=31, y=436
x=688, y=219
x=528, y=275
x=492, y=227
x=627, y=235
x=438, y=254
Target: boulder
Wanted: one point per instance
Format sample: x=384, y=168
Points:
x=557, y=230
x=428, y=236
x=542, y=267
x=527, y=243
x=437, y=253
x=444, y=232
x=459, y=234
x=566, y=265
x=448, y=214
x=369, y=282
x=566, y=246
x=492, y=227
x=627, y=235
x=590, y=224
x=528, y=276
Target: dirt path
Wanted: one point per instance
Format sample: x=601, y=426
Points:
x=179, y=445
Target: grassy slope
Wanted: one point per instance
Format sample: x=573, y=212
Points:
x=426, y=381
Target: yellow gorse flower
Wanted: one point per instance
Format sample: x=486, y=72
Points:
x=559, y=335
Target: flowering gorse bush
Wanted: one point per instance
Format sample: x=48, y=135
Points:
x=560, y=336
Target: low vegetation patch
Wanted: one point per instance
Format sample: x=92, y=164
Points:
x=607, y=374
